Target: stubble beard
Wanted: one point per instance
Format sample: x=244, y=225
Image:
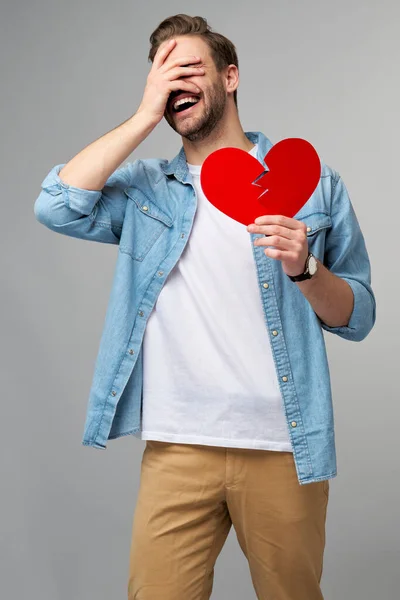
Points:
x=199, y=128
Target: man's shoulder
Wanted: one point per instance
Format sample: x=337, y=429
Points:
x=145, y=171
x=151, y=166
x=328, y=171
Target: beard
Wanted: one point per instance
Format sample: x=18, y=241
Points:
x=196, y=129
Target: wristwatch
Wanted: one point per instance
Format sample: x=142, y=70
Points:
x=310, y=269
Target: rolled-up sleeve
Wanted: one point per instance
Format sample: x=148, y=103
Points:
x=346, y=256
x=95, y=215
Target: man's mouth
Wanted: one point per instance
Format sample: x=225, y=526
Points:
x=183, y=102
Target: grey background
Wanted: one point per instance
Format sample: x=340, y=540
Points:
x=70, y=72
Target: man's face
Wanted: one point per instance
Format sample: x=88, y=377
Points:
x=197, y=122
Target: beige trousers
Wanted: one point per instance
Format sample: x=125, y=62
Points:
x=189, y=497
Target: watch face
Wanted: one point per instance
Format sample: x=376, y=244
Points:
x=312, y=265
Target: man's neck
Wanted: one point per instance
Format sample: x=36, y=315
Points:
x=228, y=133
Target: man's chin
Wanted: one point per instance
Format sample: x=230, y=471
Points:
x=184, y=128
x=190, y=133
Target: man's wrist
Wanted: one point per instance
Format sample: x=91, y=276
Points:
x=310, y=269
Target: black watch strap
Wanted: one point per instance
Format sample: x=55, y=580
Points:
x=305, y=275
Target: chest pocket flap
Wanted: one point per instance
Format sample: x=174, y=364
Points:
x=144, y=224
x=315, y=222
x=147, y=206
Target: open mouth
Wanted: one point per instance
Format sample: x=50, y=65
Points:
x=183, y=103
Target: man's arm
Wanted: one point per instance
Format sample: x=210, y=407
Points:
x=85, y=197
x=341, y=294
x=331, y=297
x=91, y=167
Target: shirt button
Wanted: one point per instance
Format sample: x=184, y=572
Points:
x=131, y=351
x=141, y=313
x=160, y=273
x=294, y=424
x=274, y=332
x=145, y=207
x=113, y=393
x=284, y=378
x=266, y=285
x=182, y=235
x=308, y=229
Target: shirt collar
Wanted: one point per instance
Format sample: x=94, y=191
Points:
x=178, y=165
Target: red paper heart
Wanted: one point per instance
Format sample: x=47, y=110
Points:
x=237, y=184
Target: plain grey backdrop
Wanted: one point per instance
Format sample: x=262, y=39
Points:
x=70, y=72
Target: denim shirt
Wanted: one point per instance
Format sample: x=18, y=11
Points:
x=147, y=208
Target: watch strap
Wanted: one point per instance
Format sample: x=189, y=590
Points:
x=305, y=275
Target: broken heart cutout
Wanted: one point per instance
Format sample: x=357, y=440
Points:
x=237, y=184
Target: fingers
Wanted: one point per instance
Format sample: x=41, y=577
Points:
x=280, y=243
x=276, y=230
x=169, y=75
x=184, y=72
x=286, y=232
x=185, y=86
x=181, y=61
x=162, y=53
x=280, y=220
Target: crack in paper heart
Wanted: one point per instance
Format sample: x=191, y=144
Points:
x=262, y=185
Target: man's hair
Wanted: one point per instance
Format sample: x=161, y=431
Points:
x=222, y=51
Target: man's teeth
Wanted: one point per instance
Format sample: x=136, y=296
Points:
x=183, y=100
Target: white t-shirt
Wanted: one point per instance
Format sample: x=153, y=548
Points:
x=208, y=372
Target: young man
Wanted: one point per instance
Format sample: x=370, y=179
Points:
x=211, y=351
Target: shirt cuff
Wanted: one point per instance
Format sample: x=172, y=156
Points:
x=77, y=199
x=363, y=316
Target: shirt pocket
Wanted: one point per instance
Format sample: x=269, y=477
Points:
x=144, y=224
x=318, y=224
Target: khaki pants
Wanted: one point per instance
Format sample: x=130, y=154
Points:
x=189, y=497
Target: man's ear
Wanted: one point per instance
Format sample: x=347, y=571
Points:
x=232, y=78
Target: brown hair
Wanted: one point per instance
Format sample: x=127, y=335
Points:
x=222, y=50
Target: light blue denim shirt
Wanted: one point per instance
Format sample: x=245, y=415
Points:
x=147, y=207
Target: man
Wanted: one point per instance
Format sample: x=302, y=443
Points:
x=213, y=349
